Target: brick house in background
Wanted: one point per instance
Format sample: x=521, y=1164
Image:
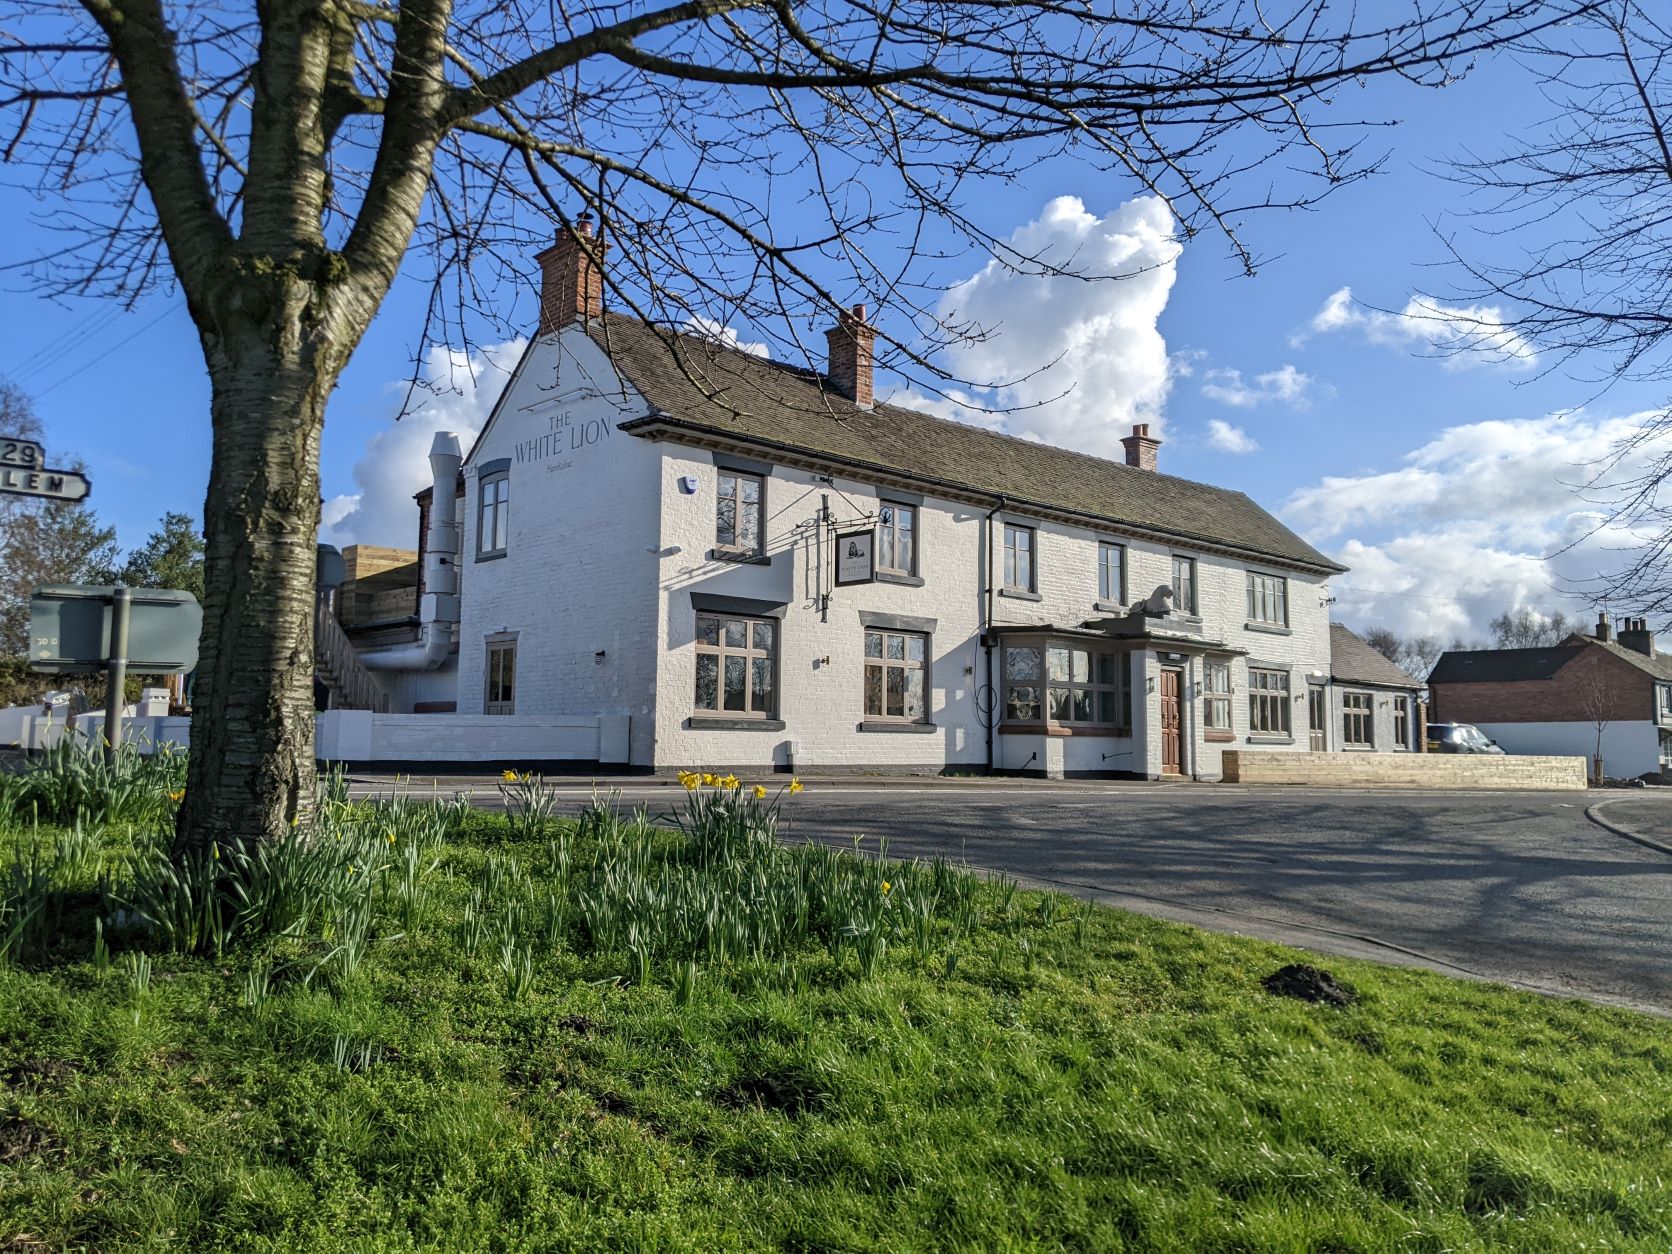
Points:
x=1550, y=700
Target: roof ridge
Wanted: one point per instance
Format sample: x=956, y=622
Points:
x=809, y=372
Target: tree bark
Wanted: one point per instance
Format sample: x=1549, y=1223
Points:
x=251, y=773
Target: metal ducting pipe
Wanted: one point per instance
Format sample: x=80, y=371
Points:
x=439, y=614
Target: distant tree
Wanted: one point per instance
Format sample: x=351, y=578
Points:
x=60, y=543
x=1526, y=628
x=171, y=558
x=1415, y=655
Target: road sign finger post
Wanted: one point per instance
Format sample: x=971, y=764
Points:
x=24, y=472
x=77, y=628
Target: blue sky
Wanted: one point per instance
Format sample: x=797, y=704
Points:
x=1444, y=485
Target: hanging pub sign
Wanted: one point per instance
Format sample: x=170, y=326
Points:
x=856, y=557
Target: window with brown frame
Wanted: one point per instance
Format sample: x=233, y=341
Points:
x=896, y=676
x=1184, y=585
x=1068, y=685
x=1217, y=689
x=1018, y=558
x=1111, y=573
x=1358, y=720
x=737, y=512
x=736, y=666
x=1268, y=600
x=1268, y=702
x=501, y=694
x=897, y=538
x=493, y=515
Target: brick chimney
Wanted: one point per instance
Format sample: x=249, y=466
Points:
x=571, y=282
x=1637, y=637
x=1602, y=627
x=851, y=343
x=1140, y=447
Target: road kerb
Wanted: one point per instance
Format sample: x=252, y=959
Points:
x=1591, y=812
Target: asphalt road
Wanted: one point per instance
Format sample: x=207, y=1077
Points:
x=1516, y=887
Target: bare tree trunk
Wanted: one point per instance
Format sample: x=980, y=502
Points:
x=252, y=760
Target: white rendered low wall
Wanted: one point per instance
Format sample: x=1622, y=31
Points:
x=362, y=736
x=1628, y=749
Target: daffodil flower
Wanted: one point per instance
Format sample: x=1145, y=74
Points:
x=796, y=786
x=691, y=782
x=760, y=792
x=729, y=781
x=886, y=886
x=391, y=838
x=510, y=777
x=710, y=780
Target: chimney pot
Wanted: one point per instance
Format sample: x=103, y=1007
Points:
x=1638, y=638
x=1141, y=447
x=852, y=344
x=1602, y=628
x=572, y=276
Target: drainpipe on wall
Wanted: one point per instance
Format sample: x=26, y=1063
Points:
x=439, y=614
x=986, y=630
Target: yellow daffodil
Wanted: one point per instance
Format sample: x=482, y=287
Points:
x=795, y=787
x=391, y=838
x=215, y=852
x=710, y=780
x=510, y=777
x=179, y=795
x=731, y=781
x=760, y=792
x=886, y=886
x=691, y=782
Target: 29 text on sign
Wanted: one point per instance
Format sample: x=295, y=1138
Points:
x=25, y=453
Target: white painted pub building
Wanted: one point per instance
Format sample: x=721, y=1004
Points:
x=761, y=567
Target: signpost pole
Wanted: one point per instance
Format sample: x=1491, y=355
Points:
x=116, y=671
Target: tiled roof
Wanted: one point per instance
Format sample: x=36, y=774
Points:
x=1352, y=661
x=703, y=387
x=1508, y=666
x=1660, y=666
x=1500, y=666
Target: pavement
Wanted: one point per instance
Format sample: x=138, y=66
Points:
x=1527, y=889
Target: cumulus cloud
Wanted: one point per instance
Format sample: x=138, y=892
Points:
x=1076, y=362
x=1228, y=439
x=1286, y=384
x=1462, y=336
x=710, y=329
x=1484, y=517
x=462, y=390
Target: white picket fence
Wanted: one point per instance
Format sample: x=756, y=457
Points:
x=365, y=736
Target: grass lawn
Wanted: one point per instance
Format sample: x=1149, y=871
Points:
x=504, y=1056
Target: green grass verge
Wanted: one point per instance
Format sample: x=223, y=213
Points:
x=1117, y=1083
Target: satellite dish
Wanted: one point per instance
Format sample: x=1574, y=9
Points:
x=1159, y=603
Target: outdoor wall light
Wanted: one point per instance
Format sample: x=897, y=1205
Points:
x=598, y=657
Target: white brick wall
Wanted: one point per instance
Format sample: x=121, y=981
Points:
x=580, y=572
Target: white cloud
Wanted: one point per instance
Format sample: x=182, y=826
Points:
x=1462, y=336
x=1286, y=384
x=1484, y=517
x=1228, y=439
x=710, y=329
x=1080, y=361
x=462, y=391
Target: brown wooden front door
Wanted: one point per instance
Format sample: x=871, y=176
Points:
x=1317, y=717
x=1171, y=749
